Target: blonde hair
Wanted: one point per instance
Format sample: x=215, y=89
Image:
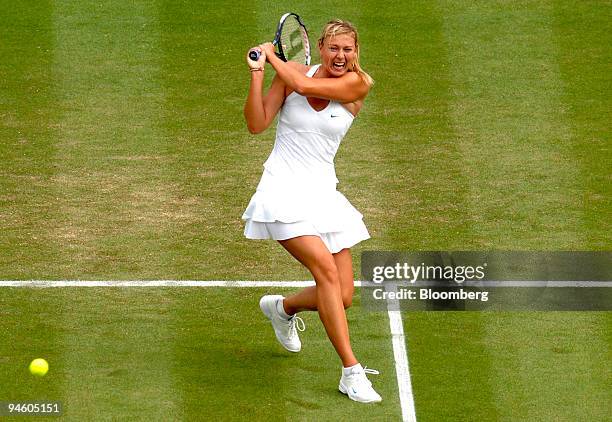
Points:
x=340, y=27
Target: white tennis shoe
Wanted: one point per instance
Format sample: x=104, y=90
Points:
x=286, y=330
x=358, y=387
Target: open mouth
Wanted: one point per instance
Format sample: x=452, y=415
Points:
x=339, y=65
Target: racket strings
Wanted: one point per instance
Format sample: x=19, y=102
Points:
x=292, y=40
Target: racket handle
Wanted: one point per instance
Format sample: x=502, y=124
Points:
x=254, y=55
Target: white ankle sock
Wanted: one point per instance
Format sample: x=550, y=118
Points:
x=281, y=310
x=347, y=371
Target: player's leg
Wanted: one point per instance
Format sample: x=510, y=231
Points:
x=306, y=299
x=314, y=255
x=344, y=264
x=354, y=381
x=328, y=270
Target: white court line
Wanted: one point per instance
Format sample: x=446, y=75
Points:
x=402, y=368
x=491, y=283
x=155, y=283
x=269, y=283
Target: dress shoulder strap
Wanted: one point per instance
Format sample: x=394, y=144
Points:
x=312, y=70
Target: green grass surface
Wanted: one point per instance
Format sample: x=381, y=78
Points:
x=510, y=366
x=124, y=155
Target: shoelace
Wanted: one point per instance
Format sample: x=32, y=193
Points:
x=366, y=370
x=296, y=323
x=363, y=376
x=370, y=371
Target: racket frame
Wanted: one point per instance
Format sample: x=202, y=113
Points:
x=254, y=55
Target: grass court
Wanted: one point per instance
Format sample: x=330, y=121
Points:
x=124, y=156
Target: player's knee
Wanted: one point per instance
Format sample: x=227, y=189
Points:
x=327, y=271
x=347, y=300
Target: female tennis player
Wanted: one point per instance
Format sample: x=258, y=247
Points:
x=296, y=201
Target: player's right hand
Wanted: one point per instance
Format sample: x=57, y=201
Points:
x=267, y=49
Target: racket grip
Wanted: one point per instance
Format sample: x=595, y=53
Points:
x=254, y=55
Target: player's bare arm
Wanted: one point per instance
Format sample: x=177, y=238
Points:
x=347, y=88
x=260, y=109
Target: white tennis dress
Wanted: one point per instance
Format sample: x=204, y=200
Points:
x=297, y=194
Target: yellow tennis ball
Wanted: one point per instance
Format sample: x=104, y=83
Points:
x=39, y=367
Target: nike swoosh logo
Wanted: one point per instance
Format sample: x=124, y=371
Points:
x=333, y=116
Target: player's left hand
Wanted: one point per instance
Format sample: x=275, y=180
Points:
x=260, y=63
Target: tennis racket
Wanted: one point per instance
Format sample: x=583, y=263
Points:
x=291, y=40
